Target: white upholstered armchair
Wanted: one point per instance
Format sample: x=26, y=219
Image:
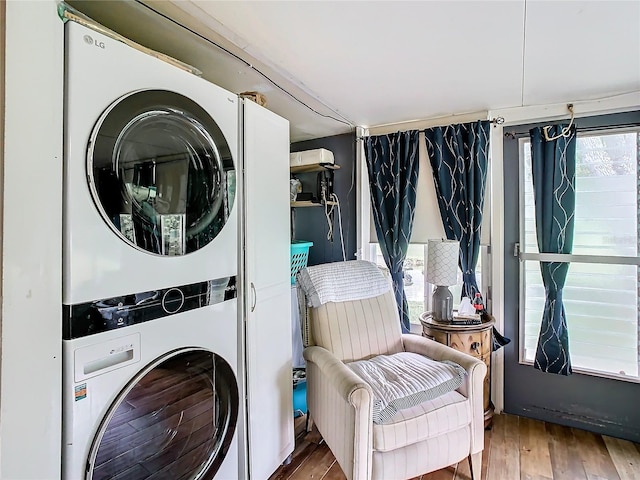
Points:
x=419, y=439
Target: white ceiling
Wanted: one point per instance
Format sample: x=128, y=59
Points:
x=383, y=62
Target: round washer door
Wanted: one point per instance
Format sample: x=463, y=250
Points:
x=175, y=419
x=161, y=172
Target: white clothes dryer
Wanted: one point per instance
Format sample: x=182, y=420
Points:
x=152, y=401
x=150, y=327
x=150, y=172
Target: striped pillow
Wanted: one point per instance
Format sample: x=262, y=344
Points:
x=404, y=380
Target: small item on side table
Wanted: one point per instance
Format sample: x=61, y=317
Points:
x=466, y=319
x=442, y=301
x=466, y=314
x=442, y=271
x=477, y=303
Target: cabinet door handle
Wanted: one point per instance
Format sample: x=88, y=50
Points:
x=254, y=297
x=475, y=346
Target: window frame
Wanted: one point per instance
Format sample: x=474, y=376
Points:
x=366, y=239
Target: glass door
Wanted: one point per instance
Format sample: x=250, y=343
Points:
x=601, y=291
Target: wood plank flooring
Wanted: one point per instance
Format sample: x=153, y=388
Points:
x=516, y=448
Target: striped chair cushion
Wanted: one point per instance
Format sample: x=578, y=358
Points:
x=404, y=380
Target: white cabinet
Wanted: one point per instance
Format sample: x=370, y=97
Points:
x=267, y=288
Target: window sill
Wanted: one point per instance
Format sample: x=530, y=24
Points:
x=416, y=327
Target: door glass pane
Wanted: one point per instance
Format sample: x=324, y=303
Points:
x=176, y=421
x=161, y=172
x=606, y=196
x=601, y=300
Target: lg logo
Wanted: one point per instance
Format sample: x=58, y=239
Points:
x=88, y=40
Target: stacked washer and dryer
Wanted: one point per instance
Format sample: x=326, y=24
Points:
x=150, y=264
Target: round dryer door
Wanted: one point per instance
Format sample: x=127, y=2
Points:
x=161, y=172
x=175, y=420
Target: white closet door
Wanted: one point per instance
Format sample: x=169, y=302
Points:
x=268, y=290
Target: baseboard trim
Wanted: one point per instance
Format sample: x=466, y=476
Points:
x=584, y=422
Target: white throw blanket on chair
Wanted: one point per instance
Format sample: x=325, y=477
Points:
x=341, y=282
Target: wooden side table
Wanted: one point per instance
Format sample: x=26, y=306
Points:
x=474, y=340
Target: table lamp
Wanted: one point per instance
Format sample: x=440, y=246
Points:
x=442, y=271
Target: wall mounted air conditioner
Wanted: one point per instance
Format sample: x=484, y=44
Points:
x=311, y=157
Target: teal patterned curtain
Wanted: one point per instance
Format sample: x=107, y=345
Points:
x=459, y=156
x=553, y=165
x=459, y=159
x=392, y=162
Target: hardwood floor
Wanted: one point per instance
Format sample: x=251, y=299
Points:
x=516, y=448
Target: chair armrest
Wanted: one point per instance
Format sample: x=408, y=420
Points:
x=473, y=384
x=341, y=377
x=341, y=405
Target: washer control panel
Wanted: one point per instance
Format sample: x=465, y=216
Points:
x=106, y=314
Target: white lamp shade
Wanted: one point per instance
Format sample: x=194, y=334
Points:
x=442, y=262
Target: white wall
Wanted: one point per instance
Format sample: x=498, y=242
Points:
x=30, y=384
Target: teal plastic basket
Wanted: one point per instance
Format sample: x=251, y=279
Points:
x=300, y=398
x=299, y=257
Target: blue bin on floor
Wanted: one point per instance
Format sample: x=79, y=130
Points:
x=300, y=398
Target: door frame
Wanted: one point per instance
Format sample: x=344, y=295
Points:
x=518, y=116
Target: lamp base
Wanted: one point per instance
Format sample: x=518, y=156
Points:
x=442, y=304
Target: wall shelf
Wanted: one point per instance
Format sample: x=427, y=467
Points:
x=309, y=203
x=316, y=167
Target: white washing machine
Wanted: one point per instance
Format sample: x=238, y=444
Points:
x=152, y=401
x=150, y=327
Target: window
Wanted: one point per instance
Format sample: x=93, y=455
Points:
x=419, y=292
x=601, y=291
x=427, y=224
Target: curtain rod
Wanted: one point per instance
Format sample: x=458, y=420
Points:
x=493, y=121
x=523, y=133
